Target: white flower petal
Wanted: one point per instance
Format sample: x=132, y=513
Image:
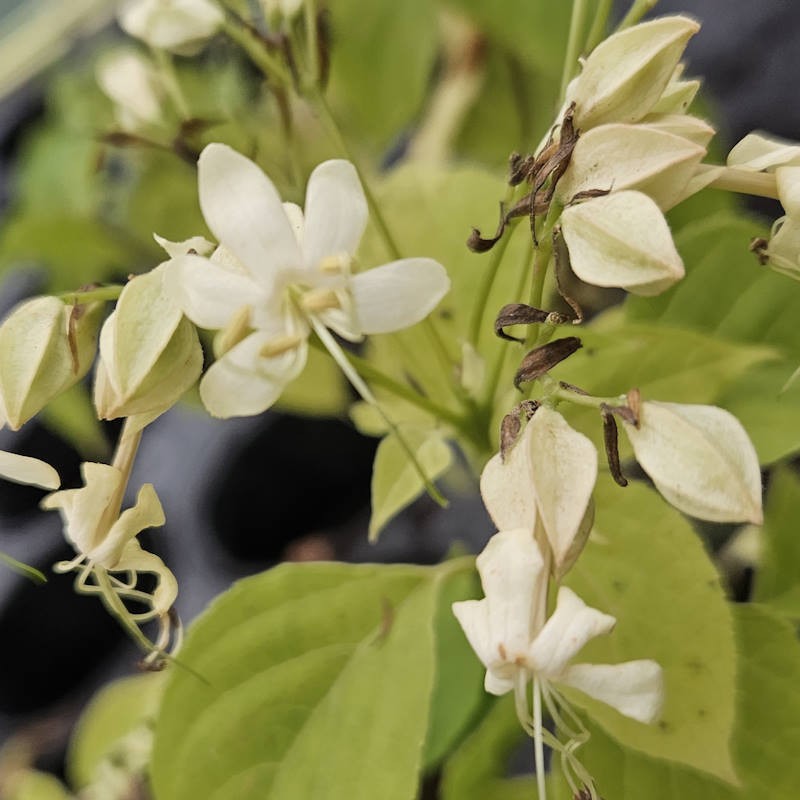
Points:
x=199, y=244
x=788, y=179
x=82, y=509
x=564, y=471
x=512, y=570
x=178, y=25
x=130, y=81
x=296, y=219
x=473, y=616
x=146, y=513
x=243, y=383
x=246, y=215
x=496, y=683
x=759, y=152
x=571, y=625
x=507, y=487
x=134, y=559
x=399, y=294
x=209, y=294
x=335, y=212
x=701, y=459
x=27, y=470
x=635, y=688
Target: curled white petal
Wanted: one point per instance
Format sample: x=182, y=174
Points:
x=27, y=470
x=473, y=616
x=635, y=688
x=759, y=152
x=398, y=295
x=569, y=628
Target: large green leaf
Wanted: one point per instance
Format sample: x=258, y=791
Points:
x=766, y=736
x=645, y=565
x=305, y=681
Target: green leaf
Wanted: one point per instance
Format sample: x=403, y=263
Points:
x=777, y=573
x=116, y=710
x=31, y=573
x=458, y=693
x=75, y=250
x=395, y=479
x=316, y=682
x=646, y=566
x=71, y=415
x=377, y=102
x=765, y=740
x=33, y=785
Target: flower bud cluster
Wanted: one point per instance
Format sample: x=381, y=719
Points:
x=636, y=157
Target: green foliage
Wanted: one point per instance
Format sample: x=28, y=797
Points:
x=765, y=738
x=308, y=665
x=645, y=565
x=34, y=785
x=396, y=481
x=114, y=712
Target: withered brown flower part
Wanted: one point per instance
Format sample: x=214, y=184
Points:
x=759, y=245
x=611, y=440
x=542, y=359
x=562, y=267
x=522, y=314
x=512, y=424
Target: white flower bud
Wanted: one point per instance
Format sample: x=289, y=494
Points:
x=131, y=84
x=783, y=250
x=549, y=473
x=701, y=459
x=689, y=127
x=46, y=347
x=760, y=152
x=616, y=157
x=622, y=240
x=624, y=76
x=149, y=352
x=181, y=26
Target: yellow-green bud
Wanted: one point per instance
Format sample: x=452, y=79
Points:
x=45, y=347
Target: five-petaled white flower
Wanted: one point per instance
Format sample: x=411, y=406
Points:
x=506, y=633
x=278, y=273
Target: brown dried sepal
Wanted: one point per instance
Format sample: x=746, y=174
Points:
x=611, y=440
x=522, y=314
x=562, y=266
x=542, y=359
x=759, y=246
x=512, y=424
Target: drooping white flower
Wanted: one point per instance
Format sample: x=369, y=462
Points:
x=549, y=474
x=505, y=630
x=105, y=539
x=280, y=272
x=622, y=240
x=181, y=26
x=700, y=458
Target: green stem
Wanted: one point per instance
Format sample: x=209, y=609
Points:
x=310, y=10
x=578, y=399
x=169, y=77
x=599, y=25
x=338, y=355
x=101, y=294
x=575, y=42
x=637, y=10
x=271, y=67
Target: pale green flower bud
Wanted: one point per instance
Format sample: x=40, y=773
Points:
x=181, y=26
x=760, y=152
x=131, y=83
x=678, y=94
x=616, y=157
x=700, y=458
x=46, y=347
x=149, y=352
x=625, y=76
x=689, y=127
x=622, y=240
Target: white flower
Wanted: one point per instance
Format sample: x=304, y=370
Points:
x=182, y=26
x=279, y=273
x=105, y=539
x=548, y=475
x=27, y=470
x=502, y=629
x=131, y=83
